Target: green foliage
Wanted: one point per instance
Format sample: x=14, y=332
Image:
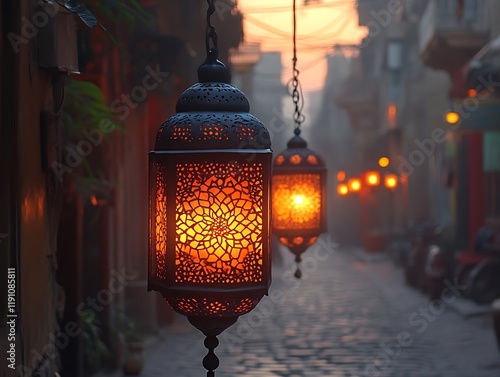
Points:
x=130, y=11
x=84, y=108
x=95, y=351
x=127, y=325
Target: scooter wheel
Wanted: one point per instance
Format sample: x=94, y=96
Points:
x=462, y=278
x=485, y=283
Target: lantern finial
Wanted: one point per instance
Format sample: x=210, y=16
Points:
x=211, y=361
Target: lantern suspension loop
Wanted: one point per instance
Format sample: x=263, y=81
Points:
x=296, y=91
x=211, y=36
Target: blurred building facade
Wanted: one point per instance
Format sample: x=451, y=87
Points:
x=459, y=38
x=332, y=137
x=414, y=66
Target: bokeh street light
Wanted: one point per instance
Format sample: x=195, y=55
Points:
x=391, y=181
x=372, y=178
x=383, y=162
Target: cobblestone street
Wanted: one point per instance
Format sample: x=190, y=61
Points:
x=346, y=317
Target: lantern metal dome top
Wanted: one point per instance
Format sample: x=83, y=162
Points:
x=297, y=156
x=212, y=114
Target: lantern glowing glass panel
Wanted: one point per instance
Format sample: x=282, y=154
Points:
x=299, y=200
x=209, y=206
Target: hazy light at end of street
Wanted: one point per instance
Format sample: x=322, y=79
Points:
x=320, y=25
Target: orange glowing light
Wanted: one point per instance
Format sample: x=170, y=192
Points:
x=218, y=224
x=391, y=115
x=372, y=178
x=296, y=201
x=341, y=176
x=452, y=117
x=342, y=189
x=354, y=184
x=383, y=162
x=391, y=181
x=472, y=92
x=295, y=159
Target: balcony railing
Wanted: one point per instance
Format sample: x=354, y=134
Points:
x=459, y=25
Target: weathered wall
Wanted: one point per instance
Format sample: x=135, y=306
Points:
x=36, y=252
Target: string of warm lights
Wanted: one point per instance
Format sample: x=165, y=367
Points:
x=371, y=179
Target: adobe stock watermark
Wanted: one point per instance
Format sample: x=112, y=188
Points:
x=246, y=325
x=86, y=310
x=30, y=28
x=427, y=147
x=380, y=20
x=224, y=6
x=75, y=153
x=419, y=322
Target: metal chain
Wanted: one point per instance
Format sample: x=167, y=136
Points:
x=296, y=92
x=211, y=35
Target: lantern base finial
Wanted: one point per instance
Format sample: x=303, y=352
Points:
x=211, y=327
x=298, y=273
x=211, y=361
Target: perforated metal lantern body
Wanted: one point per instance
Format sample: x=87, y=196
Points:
x=209, y=206
x=299, y=196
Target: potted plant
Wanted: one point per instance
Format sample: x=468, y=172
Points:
x=134, y=342
x=96, y=352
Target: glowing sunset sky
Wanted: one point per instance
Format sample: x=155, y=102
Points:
x=319, y=26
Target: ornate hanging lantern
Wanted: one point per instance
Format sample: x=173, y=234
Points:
x=209, y=209
x=299, y=183
x=299, y=197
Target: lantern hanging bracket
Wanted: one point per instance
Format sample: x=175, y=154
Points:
x=211, y=35
x=212, y=70
x=296, y=87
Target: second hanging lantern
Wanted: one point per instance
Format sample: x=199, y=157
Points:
x=299, y=183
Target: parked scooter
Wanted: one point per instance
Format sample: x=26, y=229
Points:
x=435, y=272
x=496, y=319
x=424, y=243
x=467, y=260
x=485, y=252
x=401, y=244
x=485, y=280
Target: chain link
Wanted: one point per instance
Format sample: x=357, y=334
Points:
x=211, y=36
x=296, y=91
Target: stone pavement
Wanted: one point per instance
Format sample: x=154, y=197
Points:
x=346, y=317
